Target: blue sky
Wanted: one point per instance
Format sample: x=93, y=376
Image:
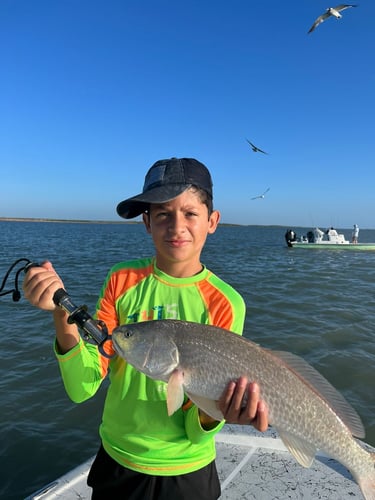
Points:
x=93, y=92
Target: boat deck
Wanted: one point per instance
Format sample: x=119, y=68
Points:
x=250, y=466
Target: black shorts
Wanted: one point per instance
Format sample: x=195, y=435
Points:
x=110, y=480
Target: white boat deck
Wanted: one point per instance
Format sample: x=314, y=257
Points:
x=250, y=466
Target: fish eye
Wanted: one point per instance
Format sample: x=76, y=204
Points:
x=128, y=333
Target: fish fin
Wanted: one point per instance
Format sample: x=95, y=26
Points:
x=302, y=451
x=320, y=385
x=207, y=405
x=175, y=391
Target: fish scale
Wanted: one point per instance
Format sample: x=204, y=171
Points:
x=200, y=360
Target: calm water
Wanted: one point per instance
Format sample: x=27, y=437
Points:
x=319, y=304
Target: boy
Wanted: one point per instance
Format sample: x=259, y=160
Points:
x=145, y=454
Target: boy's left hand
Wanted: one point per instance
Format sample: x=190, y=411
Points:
x=255, y=411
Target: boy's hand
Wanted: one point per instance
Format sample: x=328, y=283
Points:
x=40, y=284
x=254, y=412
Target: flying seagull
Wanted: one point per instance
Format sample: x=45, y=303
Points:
x=261, y=196
x=331, y=11
x=255, y=149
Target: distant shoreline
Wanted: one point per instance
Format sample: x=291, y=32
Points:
x=88, y=221
x=64, y=221
x=82, y=221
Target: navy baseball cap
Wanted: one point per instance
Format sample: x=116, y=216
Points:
x=164, y=181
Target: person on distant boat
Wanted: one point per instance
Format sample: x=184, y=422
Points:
x=355, y=233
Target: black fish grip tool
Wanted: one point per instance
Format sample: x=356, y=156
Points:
x=92, y=328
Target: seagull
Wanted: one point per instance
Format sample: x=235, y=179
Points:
x=331, y=11
x=255, y=149
x=261, y=196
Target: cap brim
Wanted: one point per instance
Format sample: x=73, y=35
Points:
x=132, y=207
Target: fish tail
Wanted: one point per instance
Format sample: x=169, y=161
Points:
x=367, y=482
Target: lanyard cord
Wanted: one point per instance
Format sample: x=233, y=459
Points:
x=16, y=294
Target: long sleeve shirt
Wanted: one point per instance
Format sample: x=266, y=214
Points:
x=136, y=430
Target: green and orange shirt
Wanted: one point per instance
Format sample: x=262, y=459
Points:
x=136, y=430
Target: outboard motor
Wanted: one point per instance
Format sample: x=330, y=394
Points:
x=290, y=236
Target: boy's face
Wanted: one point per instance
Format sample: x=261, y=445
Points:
x=179, y=229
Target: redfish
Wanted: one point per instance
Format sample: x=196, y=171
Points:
x=308, y=413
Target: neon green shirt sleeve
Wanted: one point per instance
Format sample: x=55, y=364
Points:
x=194, y=430
x=80, y=363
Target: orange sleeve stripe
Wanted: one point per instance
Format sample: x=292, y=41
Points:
x=189, y=403
x=220, y=308
x=121, y=280
x=124, y=279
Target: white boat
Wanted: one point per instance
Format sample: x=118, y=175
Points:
x=318, y=239
x=251, y=465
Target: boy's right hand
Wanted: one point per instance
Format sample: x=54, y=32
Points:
x=241, y=403
x=40, y=284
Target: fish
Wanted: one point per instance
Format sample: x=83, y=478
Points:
x=198, y=360
x=255, y=148
x=331, y=11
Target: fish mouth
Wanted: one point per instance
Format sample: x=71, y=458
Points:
x=116, y=346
